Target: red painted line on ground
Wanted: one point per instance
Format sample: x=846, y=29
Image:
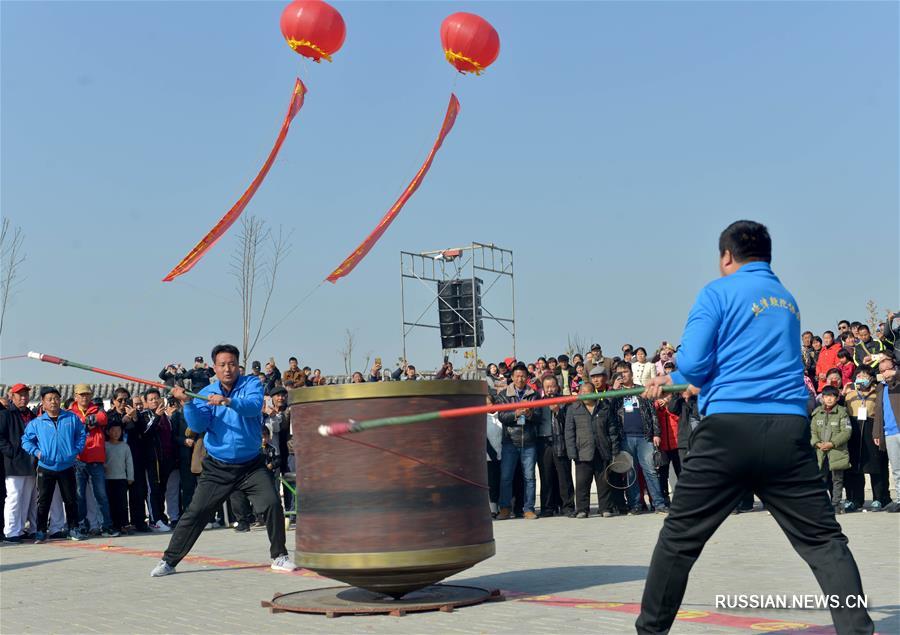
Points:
x=754, y=623
x=757, y=624
x=222, y=563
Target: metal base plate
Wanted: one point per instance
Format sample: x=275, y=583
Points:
x=346, y=600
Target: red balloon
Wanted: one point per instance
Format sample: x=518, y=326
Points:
x=313, y=28
x=470, y=43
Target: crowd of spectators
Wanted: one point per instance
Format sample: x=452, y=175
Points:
x=133, y=466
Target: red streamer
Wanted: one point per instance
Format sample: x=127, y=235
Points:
x=228, y=219
x=360, y=252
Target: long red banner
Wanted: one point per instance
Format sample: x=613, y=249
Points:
x=360, y=252
x=232, y=215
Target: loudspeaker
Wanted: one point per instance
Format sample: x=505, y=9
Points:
x=459, y=313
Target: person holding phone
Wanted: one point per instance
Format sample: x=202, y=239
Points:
x=375, y=373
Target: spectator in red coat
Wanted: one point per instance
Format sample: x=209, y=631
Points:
x=90, y=465
x=668, y=445
x=827, y=357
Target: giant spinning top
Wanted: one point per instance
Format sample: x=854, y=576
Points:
x=387, y=521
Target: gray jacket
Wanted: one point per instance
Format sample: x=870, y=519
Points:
x=519, y=435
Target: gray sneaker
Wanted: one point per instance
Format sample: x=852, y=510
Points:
x=75, y=534
x=161, y=569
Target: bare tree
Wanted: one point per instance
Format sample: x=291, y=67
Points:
x=347, y=352
x=11, y=242
x=874, y=317
x=575, y=344
x=250, y=267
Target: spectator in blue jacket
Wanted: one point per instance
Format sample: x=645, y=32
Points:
x=231, y=417
x=55, y=439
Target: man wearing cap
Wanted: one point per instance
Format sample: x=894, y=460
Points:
x=599, y=379
x=741, y=347
x=278, y=421
x=592, y=440
x=173, y=374
x=55, y=439
x=231, y=417
x=90, y=464
x=199, y=375
x=595, y=358
x=21, y=495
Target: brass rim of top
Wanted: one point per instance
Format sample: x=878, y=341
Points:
x=387, y=389
x=395, y=559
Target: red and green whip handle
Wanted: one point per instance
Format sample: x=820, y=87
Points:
x=52, y=359
x=340, y=429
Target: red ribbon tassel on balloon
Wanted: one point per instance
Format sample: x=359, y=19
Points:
x=232, y=215
x=360, y=252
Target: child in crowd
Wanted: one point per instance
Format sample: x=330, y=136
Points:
x=119, y=475
x=830, y=435
x=846, y=366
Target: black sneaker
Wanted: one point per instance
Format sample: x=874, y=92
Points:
x=635, y=511
x=242, y=527
x=143, y=530
x=59, y=535
x=15, y=540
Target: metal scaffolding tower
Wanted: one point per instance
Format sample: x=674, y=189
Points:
x=430, y=269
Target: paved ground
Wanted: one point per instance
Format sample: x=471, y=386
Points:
x=561, y=575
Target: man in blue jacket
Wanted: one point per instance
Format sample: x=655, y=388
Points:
x=55, y=439
x=232, y=421
x=741, y=348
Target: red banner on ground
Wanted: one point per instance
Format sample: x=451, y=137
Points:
x=360, y=252
x=227, y=221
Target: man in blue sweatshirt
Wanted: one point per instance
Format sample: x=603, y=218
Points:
x=232, y=421
x=741, y=347
x=55, y=439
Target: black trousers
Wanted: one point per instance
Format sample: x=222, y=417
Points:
x=188, y=482
x=47, y=481
x=241, y=510
x=493, y=474
x=547, y=472
x=137, y=491
x=617, y=484
x=675, y=459
x=771, y=456
x=157, y=478
x=117, y=492
x=585, y=472
x=564, y=483
x=215, y=484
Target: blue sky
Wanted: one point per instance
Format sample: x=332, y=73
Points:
x=607, y=147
